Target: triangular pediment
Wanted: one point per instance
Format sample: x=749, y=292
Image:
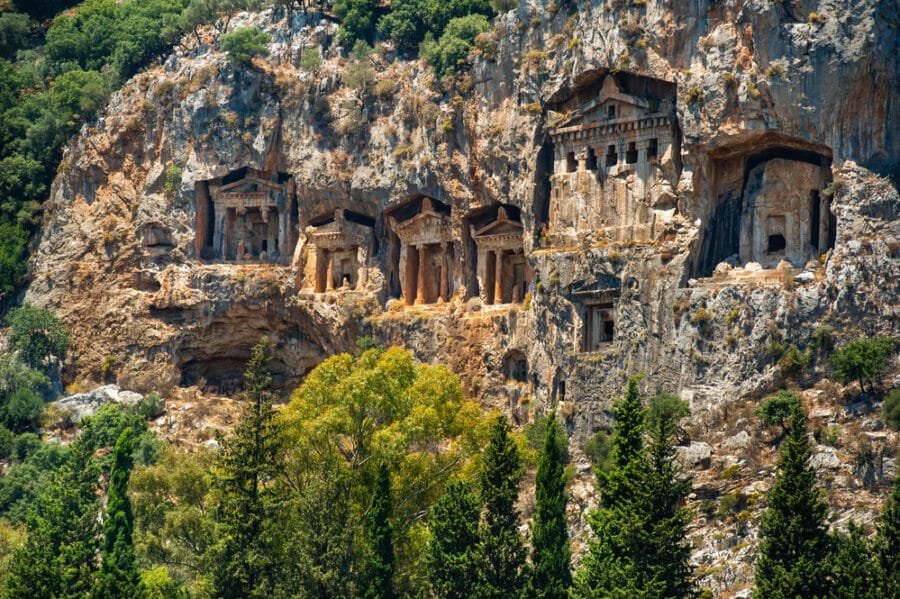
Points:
x=498, y=227
x=250, y=183
x=423, y=219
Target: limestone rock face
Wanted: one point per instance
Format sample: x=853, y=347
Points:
x=682, y=186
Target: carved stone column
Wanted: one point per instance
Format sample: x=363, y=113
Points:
x=498, y=279
x=420, y=278
x=445, y=272
x=329, y=274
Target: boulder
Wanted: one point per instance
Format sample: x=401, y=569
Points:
x=738, y=441
x=695, y=454
x=824, y=458
x=82, y=405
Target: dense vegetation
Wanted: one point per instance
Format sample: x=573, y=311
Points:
x=379, y=479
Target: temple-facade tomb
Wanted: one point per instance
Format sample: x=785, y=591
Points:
x=426, y=253
x=247, y=215
x=608, y=173
x=503, y=273
x=337, y=251
x=769, y=207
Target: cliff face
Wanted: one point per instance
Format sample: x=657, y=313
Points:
x=685, y=183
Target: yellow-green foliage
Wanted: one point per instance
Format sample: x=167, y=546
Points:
x=384, y=407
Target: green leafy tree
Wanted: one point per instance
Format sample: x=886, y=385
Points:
x=356, y=412
x=551, y=573
x=794, y=543
x=119, y=576
x=13, y=257
x=666, y=409
x=864, y=360
x=242, y=45
x=244, y=564
x=59, y=559
x=380, y=563
x=777, y=410
x=452, y=556
x=887, y=544
x=450, y=52
x=322, y=540
x=37, y=335
x=501, y=551
x=357, y=19
x=173, y=524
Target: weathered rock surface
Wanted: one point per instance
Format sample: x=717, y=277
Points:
x=118, y=259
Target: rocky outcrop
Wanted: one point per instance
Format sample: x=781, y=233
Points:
x=633, y=242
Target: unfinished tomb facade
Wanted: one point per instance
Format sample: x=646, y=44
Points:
x=502, y=271
x=596, y=305
x=614, y=167
x=771, y=206
x=426, y=251
x=247, y=215
x=337, y=251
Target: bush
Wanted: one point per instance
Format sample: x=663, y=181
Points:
x=864, y=360
x=535, y=432
x=14, y=33
x=666, y=407
x=23, y=410
x=25, y=445
x=37, y=335
x=890, y=411
x=793, y=361
x=7, y=442
x=152, y=406
x=357, y=19
x=311, y=61
x=243, y=45
x=597, y=449
x=777, y=409
x=450, y=52
x=13, y=257
x=173, y=180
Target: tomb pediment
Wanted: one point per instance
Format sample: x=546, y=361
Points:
x=428, y=226
x=502, y=225
x=605, y=287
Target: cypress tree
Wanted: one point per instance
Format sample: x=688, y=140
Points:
x=794, y=543
x=452, y=559
x=380, y=566
x=640, y=524
x=119, y=576
x=501, y=552
x=851, y=574
x=244, y=562
x=59, y=558
x=887, y=544
x=551, y=573
x=666, y=558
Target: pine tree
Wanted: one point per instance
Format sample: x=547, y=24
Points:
x=887, y=544
x=640, y=524
x=59, y=557
x=551, y=573
x=501, y=552
x=380, y=562
x=119, y=576
x=794, y=543
x=452, y=559
x=244, y=560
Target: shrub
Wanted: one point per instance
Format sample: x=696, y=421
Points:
x=37, y=335
x=13, y=257
x=535, y=432
x=777, y=409
x=890, y=411
x=22, y=410
x=243, y=45
x=730, y=504
x=450, y=52
x=357, y=19
x=793, y=361
x=597, y=449
x=152, y=406
x=173, y=180
x=666, y=408
x=7, y=442
x=311, y=61
x=25, y=445
x=864, y=360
